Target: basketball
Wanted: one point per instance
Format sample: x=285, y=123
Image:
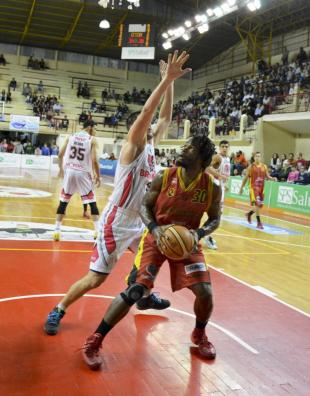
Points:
x=178, y=243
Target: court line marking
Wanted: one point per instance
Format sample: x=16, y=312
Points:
x=216, y=326
x=264, y=240
x=45, y=218
x=90, y=251
x=257, y=290
x=274, y=218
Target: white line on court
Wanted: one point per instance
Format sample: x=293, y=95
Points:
x=274, y=218
x=258, y=290
x=216, y=326
x=262, y=240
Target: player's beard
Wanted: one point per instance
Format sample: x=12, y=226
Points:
x=181, y=162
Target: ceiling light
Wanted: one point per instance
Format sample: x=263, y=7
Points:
x=225, y=7
x=210, y=12
x=218, y=12
x=179, y=31
x=171, y=32
x=186, y=36
x=231, y=2
x=167, y=45
x=257, y=4
x=104, y=24
x=198, y=18
x=203, y=28
x=188, y=23
x=251, y=6
x=165, y=35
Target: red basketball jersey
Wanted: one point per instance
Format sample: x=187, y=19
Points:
x=258, y=175
x=177, y=204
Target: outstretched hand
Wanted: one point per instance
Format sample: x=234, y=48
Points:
x=175, y=64
x=163, y=68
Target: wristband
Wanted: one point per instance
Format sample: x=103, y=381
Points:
x=152, y=225
x=201, y=233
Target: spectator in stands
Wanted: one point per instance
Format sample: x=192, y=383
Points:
x=54, y=150
x=301, y=56
x=240, y=162
x=45, y=150
x=293, y=175
x=27, y=90
x=30, y=62
x=57, y=107
x=303, y=177
x=29, y=149
x=3, y=96
x=40, y=87
x=285, y=57
x=2, y=60
x=13, y=84
x=42, y=64
x=79, y=89
x=10, y=147
x=301, y=161
x=283, y=172
x=64, y=123
x=290, y=161
x=3, y=146
x=19, y=148
x=93, y=105
x=104, y=94
x=275, y=161
x=283, y=159
x=9, y=96
x=37, y=151
x=112, y=157
x=83, y=117
x=85, y=91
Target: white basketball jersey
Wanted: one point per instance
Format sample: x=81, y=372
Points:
x=224, y=167
x=131, y=181
x=78, y=152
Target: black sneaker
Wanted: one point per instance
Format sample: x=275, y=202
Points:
x=51, y=325
x=153, y=301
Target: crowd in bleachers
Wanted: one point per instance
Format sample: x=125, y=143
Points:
x=36, y=64
x=24, y=146
x=254, y=96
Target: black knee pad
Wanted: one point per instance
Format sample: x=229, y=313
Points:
x=133, y=293
x=94, y=209
x=62, y=207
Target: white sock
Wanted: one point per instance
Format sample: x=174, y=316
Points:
x=60, y=306
x=57, y=225
x=96, y=223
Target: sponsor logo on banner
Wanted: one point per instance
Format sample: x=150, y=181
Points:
x=24, y=123
x=285, y=195
x=196, y=267
x=19, y=192
x=11, y=230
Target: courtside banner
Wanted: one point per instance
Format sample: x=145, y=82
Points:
x=8, y=160
x=234, y=184
x=292, y=197
x=24, y=123
x=107, y=167
x=36, y=162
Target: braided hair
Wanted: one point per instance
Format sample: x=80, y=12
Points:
x=205, y=148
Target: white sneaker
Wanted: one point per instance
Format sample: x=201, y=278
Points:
x=210, y=242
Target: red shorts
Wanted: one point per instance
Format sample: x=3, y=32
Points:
x=149, y=260
x=257, y=196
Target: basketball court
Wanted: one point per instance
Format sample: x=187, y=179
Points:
x=260, y=325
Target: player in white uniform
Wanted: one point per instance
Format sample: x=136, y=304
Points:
x=77, y=162
x=220, y=169
x=120, y=223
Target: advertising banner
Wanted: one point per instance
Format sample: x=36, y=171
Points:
x=8, y=160
x=287, y=196
x=24, y=123
x=290, y=197
x=107, y=167
x=36, y=162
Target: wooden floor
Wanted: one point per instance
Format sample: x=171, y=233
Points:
x=260, y=324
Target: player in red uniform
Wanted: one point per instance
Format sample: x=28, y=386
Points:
x=257, y=173
x=179, y=195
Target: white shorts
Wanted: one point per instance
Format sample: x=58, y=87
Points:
x=118, y=229
x=77, y=182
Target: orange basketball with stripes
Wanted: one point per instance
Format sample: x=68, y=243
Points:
x=178, y=243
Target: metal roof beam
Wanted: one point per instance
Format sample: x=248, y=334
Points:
x=28, y=22
x=73, y=27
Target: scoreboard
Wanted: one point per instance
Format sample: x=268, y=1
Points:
x=137, y=41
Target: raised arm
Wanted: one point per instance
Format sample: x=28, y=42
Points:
x=138, y=131
x=95, y=162
x=165, y=113
x=213, y=168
